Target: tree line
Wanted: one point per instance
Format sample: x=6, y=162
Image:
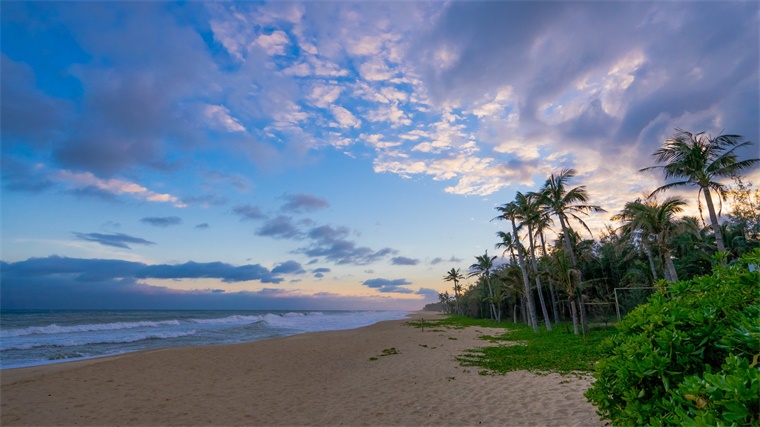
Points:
x=545, y=282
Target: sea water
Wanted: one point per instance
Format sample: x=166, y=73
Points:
x=35, y=337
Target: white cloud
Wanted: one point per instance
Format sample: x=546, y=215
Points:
x=344, y=117
x=326, y=68
x=376, y=69
x=228, y=33
x=219, y=117
x=323, y=95
x=300, y=69
x=273, y=44
x=390, y=113
x=366, y=45
x=114, y=186
x=375, y=141
x=495, y=105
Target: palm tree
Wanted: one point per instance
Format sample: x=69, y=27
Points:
x=528, y=209
x=543, y=222
x=568, y=278
x=510, y=211
x=453, y=275
x=566, y=204
x=699, y=160
x=508, y=243
x=655, y=220
x=483, y=268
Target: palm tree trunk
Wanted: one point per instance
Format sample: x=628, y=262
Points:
x=574, y=315
x=573, y=264
x=552, y=291
x=714, y=220
x=669, y=264
x=526, y=283
x=538, y=280
x=514, y=312
x=648, y=251
x=490, y=295
x=584, y=319
x=555, y=302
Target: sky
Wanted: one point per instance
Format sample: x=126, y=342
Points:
x=331, y=155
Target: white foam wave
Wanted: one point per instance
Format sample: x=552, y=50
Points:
x=100, y=340
x=231, y=319
x=55, y=329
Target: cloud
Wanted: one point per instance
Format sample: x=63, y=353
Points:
x=301, y=203
x=29, y=116
x=386, y=285
x=219, y=117
x=344, y=117
x=74, y=283
x=279, y=227
x=19, y=176
x=400, y=260
x=86, y=180
x=320, y=272
x=331, y=244
x=288, y=267
x=429, y=294
x=163, y=221
x=103, y=269
x=203, y=226
x=273, y=44
x=247, y=212
x=117, y=240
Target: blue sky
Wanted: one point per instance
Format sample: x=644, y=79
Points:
x=325, y=155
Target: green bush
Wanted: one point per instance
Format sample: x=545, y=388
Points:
x=689, y=356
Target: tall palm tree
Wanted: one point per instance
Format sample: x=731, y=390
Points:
x=483, y=268
x=657, y=220
x=508, y=280
x=528, y=209
x=565, y=204
x=453, y=275
x=699, y=160
x=507, y=243
x=543, y=222
x=568, y=278
x=510, y=211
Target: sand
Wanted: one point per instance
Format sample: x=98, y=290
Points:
x=321, y=379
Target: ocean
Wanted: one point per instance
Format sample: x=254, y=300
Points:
x=37, y=337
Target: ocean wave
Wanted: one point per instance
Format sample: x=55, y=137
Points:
x=229, y=319
x=97, y=340
x=55, y=329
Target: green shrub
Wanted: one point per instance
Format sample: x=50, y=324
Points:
x=689, y=356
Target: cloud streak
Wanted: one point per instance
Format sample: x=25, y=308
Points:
x=116, y=240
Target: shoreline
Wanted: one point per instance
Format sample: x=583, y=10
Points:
x=387, y=373
x=192, y=330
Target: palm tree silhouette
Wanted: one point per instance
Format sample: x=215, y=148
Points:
x=483, y=268
x=453, y=275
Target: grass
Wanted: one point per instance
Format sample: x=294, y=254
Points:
x=521, y=349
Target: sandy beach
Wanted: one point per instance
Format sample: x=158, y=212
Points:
x=321, y=379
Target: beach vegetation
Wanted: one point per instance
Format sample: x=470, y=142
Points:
x=521, y=349
x=689, y=356
x=390, y=351
x=576, y=279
